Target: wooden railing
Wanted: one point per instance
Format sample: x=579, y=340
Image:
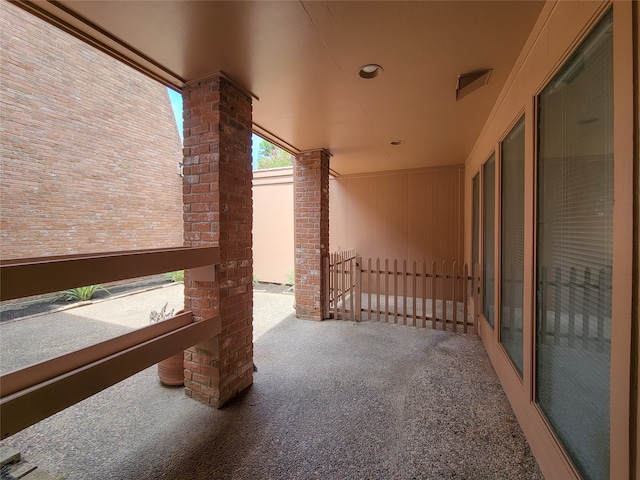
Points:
x=33, y=393
x=34, y=276
x=435, y=294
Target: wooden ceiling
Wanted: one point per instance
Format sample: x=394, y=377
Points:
x=301, y=60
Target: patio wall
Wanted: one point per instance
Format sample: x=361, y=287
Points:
x=273, y=255
x=414, y=215
x=89, y=147
x=404, y=215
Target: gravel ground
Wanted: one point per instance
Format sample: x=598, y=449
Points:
x=330, y=400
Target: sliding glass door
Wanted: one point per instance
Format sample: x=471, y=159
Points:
x=512, y=244
x=575, y=252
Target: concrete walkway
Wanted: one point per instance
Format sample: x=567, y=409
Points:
x=330, y=400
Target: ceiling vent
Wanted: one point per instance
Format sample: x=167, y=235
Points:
x=469, y=82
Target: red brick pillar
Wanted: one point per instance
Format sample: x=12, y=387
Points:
x=311, y=192
x=218, y=211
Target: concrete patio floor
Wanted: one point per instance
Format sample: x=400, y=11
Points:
x=330, y=400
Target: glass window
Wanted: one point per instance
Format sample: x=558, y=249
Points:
x=475, y=241
x=512, y=251
x=575, y=252
x=488, y=216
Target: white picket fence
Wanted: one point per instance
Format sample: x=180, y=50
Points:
x=434, y=294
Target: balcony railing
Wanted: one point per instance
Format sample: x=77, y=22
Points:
x=33, y=393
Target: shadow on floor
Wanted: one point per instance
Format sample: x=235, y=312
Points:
x=330, y=400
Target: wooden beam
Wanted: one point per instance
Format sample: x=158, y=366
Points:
x=26, y=407
x=24, y=378
x=35, y=276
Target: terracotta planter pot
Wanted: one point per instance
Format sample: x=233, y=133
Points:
x=171, y=370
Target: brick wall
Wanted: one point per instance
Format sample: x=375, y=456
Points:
x=218, y=210
x=89, y=147
x=311, y=188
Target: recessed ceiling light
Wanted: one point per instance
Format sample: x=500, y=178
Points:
x=370, y=70
x=397, y=142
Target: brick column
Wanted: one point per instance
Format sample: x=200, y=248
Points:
x=218, y=211
x=311, y=191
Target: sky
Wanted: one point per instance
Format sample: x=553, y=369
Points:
x=176, y=104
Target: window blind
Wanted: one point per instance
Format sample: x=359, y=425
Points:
x=575, y=252
x=512, y=251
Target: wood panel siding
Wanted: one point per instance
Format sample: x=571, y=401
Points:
x=412, y=214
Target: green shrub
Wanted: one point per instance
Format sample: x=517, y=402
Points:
x=177, y=276
x=80, y=293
